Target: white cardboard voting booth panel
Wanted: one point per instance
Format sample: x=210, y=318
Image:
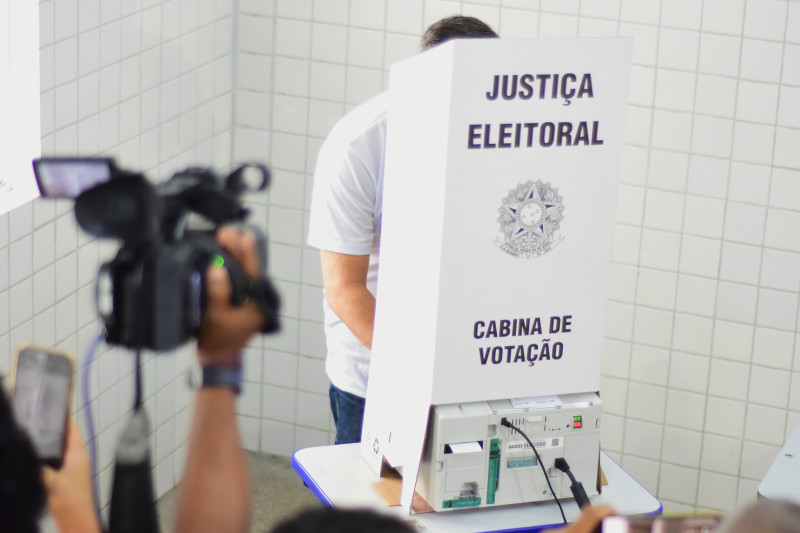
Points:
x=502, y=168
x=20, y=124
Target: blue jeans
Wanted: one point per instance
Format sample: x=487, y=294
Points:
x=348, y=414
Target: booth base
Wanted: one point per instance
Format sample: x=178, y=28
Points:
x=340, y=477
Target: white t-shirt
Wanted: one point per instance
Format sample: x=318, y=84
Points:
x=346, y=218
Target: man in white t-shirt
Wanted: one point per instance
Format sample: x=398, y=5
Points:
x=345, y=225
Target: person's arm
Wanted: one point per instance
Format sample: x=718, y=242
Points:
x=69, y=489
x=345, y=280
x=215, y=491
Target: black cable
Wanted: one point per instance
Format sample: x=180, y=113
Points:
x=139, y=335
x=577, y=489
x=562, y=465
x=137, y=402
x=508, y=424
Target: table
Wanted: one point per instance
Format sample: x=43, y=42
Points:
x=340, y=477
x=781, y=480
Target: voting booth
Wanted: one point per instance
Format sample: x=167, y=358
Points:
x=502, y=167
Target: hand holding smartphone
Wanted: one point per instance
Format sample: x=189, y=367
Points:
x=42, y=389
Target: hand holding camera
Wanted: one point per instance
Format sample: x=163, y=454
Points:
x=227, y=327
x=151, y=295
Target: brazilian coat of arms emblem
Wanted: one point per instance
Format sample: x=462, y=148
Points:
x=530, y=218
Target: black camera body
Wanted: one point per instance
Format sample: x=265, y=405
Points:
x=152, y=294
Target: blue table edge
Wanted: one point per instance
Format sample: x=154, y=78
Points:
x=309, y=482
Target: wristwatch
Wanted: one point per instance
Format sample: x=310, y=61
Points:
x=222, y=376
x=226, y=373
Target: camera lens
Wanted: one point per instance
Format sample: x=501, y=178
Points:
x=120, y=209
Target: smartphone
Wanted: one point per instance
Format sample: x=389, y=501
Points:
x=42, y=390
x=661, y=524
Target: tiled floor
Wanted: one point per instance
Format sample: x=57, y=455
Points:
x=278, y=492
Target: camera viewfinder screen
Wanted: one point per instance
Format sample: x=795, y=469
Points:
x=68, y=178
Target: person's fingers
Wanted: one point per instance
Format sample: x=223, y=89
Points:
x=226, y=328
x=218, y=296
x=49, y=477
x=74, y=435
x=226, y=237
x=241, y=245
x=75, y=453
x=251, y=259
x=218, y=287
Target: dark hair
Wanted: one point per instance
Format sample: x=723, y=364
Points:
x=329, y=520
x=453, y=28
x=22, y=495
x=764, y=516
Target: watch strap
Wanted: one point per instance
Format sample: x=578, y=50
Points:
x=214, y=376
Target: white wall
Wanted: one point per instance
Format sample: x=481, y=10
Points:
x=701, y=366
x=149, y=82
x=20, y=138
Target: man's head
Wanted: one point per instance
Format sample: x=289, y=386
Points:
x=455, y=27
x=764, y=516
x=330, y=520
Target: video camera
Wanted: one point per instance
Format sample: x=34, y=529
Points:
x=151, y=295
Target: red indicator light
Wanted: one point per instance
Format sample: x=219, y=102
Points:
x=577, y=425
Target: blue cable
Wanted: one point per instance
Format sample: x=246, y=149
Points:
x=87, y=406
